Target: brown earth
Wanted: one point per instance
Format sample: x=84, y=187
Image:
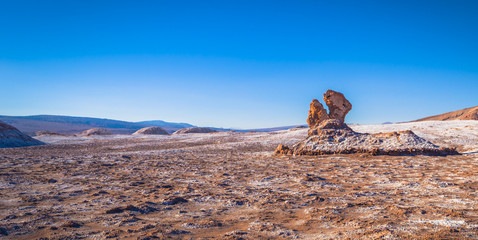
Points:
x=231, y=186
x=464, y=114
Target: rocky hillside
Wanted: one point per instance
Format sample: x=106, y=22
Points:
x=464, y=114
x=11, y=137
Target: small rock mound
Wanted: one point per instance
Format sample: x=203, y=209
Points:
x=48, y=133
x=95, y=131
x=194, y=130
x=328, y=134
x=12, y=137
x=151, y=131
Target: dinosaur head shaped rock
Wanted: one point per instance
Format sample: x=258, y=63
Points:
x=338, y=106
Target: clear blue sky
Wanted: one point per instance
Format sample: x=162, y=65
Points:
x=243, y=64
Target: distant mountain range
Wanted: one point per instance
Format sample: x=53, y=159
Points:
x=71, y=125
x=164, y=124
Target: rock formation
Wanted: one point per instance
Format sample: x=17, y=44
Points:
x=328, y=134
x=338, y=105
x=317, y=113
x=194, y=130
x=12, y=137
x=95, y=131
x=151, y=131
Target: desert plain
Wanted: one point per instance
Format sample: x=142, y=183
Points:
x=231, y=185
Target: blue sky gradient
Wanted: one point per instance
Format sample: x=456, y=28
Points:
x=242, y=64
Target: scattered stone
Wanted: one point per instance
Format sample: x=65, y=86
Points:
x=51, y=180
x=12, y=137
x=148, y=238
x=179, y=231
x=10, y=217
x=71, y=224
x=282, y=149
x=112, y=233
x=115, y=210
x=151, y=131
x=311, y=178
x=141, y=209
x=174, y=201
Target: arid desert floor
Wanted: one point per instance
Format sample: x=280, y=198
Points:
x=230, y=185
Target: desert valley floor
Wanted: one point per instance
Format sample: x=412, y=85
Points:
x=230, y=185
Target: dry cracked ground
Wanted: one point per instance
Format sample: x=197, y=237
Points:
x=230, y=186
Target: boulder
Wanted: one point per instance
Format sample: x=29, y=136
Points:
x=12, y=137
x=151, y=131
x=281, y=149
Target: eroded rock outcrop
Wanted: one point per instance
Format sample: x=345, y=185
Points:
x=151, y=131
x=338, y=105
x=95, y=131
x=328, y=134
x=317, y=113
x=12, y=137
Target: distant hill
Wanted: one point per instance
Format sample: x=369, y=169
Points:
x=163, y=124
x=464, y=114
x=71, y=125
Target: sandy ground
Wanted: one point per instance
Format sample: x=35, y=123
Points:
x=231, y=186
